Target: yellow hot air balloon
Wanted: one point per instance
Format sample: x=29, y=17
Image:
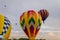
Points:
x=30, y=22
x=5, y=27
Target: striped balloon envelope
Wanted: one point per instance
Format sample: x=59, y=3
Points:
x=30, y=22
x=44, y=13
x=5, y=27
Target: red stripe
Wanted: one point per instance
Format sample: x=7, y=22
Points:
x=31, y=12
x=21, y=16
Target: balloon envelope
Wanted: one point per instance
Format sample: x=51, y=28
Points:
x=44, y=13
x=30, y=22
x=5, y=27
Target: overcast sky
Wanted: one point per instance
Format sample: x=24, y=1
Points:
x=12, y=9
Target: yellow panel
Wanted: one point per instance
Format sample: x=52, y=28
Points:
x=1, y=23
x=6, y=36
x=26, y=19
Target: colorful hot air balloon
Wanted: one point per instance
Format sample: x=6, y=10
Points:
x=44, y=13
x=30, y=22
x=5, y=27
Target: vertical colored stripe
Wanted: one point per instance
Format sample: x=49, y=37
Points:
x=32, y=30
x=26, y=31
x=1, y=23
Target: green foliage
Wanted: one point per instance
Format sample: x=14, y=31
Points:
x=23, y=39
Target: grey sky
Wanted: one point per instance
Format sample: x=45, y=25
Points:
x=14, y=8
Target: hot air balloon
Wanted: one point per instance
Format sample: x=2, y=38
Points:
x=30, y=22
x=5, y=27
x=44, y=13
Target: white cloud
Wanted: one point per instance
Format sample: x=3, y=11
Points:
x=17, y=34
x=49, y=35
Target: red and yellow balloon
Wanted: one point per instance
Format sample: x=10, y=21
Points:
x=30, y=22
x=5, y=27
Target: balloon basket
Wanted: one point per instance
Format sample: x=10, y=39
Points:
x=31, y=38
